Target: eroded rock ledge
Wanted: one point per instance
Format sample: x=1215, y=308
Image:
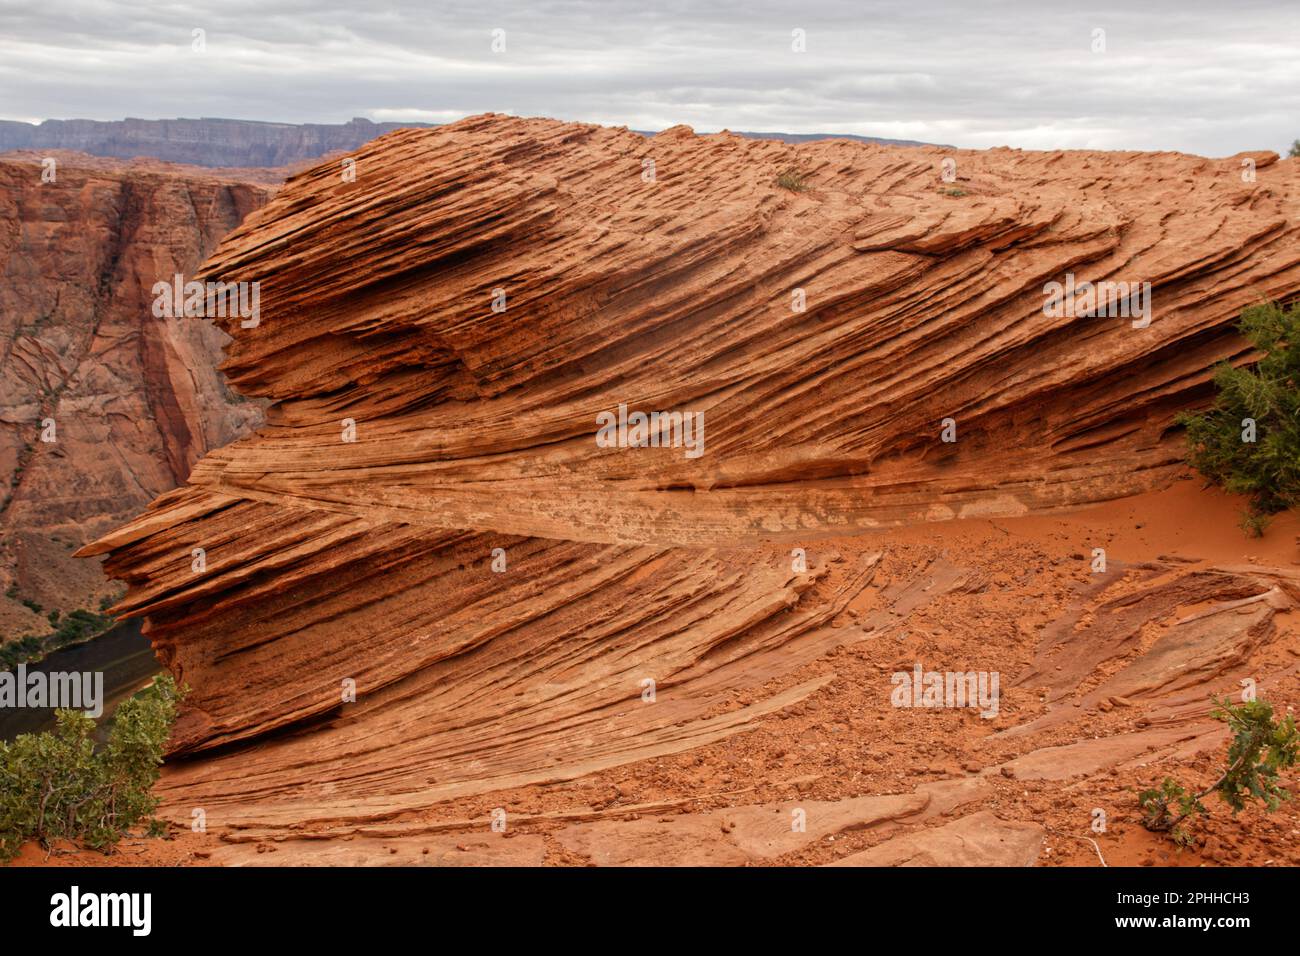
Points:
x=371, y=560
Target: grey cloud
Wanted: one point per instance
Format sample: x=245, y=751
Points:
x=1202, y=77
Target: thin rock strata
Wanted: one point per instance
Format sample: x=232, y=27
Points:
x=498, y=586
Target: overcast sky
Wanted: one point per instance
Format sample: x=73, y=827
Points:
x=1204, y=77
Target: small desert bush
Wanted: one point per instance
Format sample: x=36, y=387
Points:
x=1261, y=747
x=56, y=785
x=21, y=651
x=1260, y=403
x=793, y=180
x=78, y=626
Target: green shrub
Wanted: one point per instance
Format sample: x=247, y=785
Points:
x=56, y=785
x=1295, y=150
x=1261, y=746
x=21, y=651
x=1266, y=469
x=77, y=626
x=74, y=627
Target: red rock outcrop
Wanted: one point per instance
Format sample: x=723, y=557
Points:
x=135, y=400
x=468, y=307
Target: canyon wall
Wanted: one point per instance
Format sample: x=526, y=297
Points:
x=133, y=400
x=426, y=517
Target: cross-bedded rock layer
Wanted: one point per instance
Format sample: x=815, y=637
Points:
x=661, y=274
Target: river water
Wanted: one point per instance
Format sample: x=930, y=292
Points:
x=123, y=654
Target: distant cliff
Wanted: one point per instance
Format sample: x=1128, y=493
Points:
x=199, y=142
x=227, y=142
x=102, y=406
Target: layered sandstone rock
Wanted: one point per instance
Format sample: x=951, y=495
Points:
x=426, y=516
x=134, y=400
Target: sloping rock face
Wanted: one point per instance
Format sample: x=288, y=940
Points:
x=197, y=142
x=425, y=577
x=134, y=400
x=978, y=840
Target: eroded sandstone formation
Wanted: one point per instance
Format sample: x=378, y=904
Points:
x=135, y=400
x=427, y=516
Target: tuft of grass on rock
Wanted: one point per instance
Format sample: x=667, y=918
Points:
x=793, y=180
